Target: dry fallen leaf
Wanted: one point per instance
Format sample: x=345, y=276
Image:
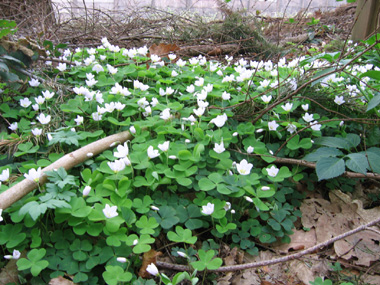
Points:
x=61, y=281
x=299, y=240
x=148, y=258
x=339, y=216
x=163, y=49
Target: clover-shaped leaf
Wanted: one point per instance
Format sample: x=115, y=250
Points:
x=33, y=261
x=166, y=217
x=115, y=274
x=182, y=235
x=11, y=235
x=146, y=225
x=141, y=244
x=206, y=261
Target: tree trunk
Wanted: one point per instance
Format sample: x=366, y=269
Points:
x=366, y=19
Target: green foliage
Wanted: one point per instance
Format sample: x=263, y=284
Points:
x=183, y=178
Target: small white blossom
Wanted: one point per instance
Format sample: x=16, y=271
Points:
x=182, y=254
x=152, y=153
x=165, y=114
x=44, y=119
x=33, y=175
x=122, y=151
x=25, y=102
x=117, y=165
x=266, y=99
x=121, y=259
x=79, y=120
x=305, y=107
x=97, y=68
x=272, y=125
x=265, y=188
x=291, y=128
x=34, y=82
x=164, y=147
x=315, y=126
x=227, y=206
x=250, y=149
x=244, y=168
x=39, y=100
x=287, y=107
x=272, y=171
x=36, y=131
x=4, y=176
x=208, y=209
x=249, y=199
x=152, y=269
x=110, y=212
x=220, y=120
x=339, y=100
x=86, y=191
x=226, y=96
x=219, y=148
x=308, y=117
x=13, y=126
x=47, y=94
x=61, y=66
x=154, y=208
x=132, y=129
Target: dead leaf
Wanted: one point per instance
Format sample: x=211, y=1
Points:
x=299, y=240
x=9, y=273
x=60, y=280
x=340, y=215
x=148, y=258
x=163, y=49
x=247, y=277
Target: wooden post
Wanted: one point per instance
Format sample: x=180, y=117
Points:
x=367, y=14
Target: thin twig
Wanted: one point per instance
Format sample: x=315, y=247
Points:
x=276, y=260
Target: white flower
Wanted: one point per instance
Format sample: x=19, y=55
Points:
x=308, y=117
x=232, y=211
x=220, y=120
x=121, y=259
x=148, y=111
x=199, y=82
x=34, y=82
x=1, y=212
x=174, y=73
x=165, y=114
x=181, y=63
x=219, y=148
x=264, y=83
x=152, y=269
x=98, y=68
x=119, y=106
x=4, y=176
x=305, y=107
x=227, y=206
x=182, y=254
x=172, y=157
x=110, y=212
x=117, y=165
x=39, y=100
x=235, y=134
x=259, y=130
x=172, y=56
x=315, y=126
x=110, y=107
x=16, y=255
x=34, y=175
x=272, y=126
x=208, y=209
x=61, y=66
x=112, y=70
x=154, y=208
x=79, y=120
x=199, y=112
x=96, y=116
x=265, y=188
x=25, y=102
x=136, y=241
x=152, y=153
x=187, y=141
x=249, y=199
x=154, y=102
x=287, y=107
x=36, y=107
x=291, y=128
x=91, y=82
x=272, y=171
x=122, y=151
x=339, y=100
x=244, y=168
x=86, y=191
x=190, y=89
x=47, y=94
x=132, y=130
x=13, y=126
x=250, y=149
x=226, y=96
x=208, y=88
x=37, y=132
x=340, y=124
x=142, y=103
x=266, y=99
x=164, y=147
x=44, y=119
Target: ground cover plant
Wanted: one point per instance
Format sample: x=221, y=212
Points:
x=213, y=154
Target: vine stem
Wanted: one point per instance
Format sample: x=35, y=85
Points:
x=312, y=249
x=16, y=192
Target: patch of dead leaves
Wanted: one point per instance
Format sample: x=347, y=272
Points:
x=337, y=216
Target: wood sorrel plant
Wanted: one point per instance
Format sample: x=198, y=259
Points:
x=215, y=154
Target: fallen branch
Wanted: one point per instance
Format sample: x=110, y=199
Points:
x=276, y=260
x=68, y=161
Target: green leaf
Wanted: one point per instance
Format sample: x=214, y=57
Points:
x=323, y=152
x=115, y=274
x=206, y=261
x=294, y=143
x=181, y=235
x=374, y=102
x=373, y=155
x=357, y=162
x=329, y=167
x=146, y=225
x=206, y=184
